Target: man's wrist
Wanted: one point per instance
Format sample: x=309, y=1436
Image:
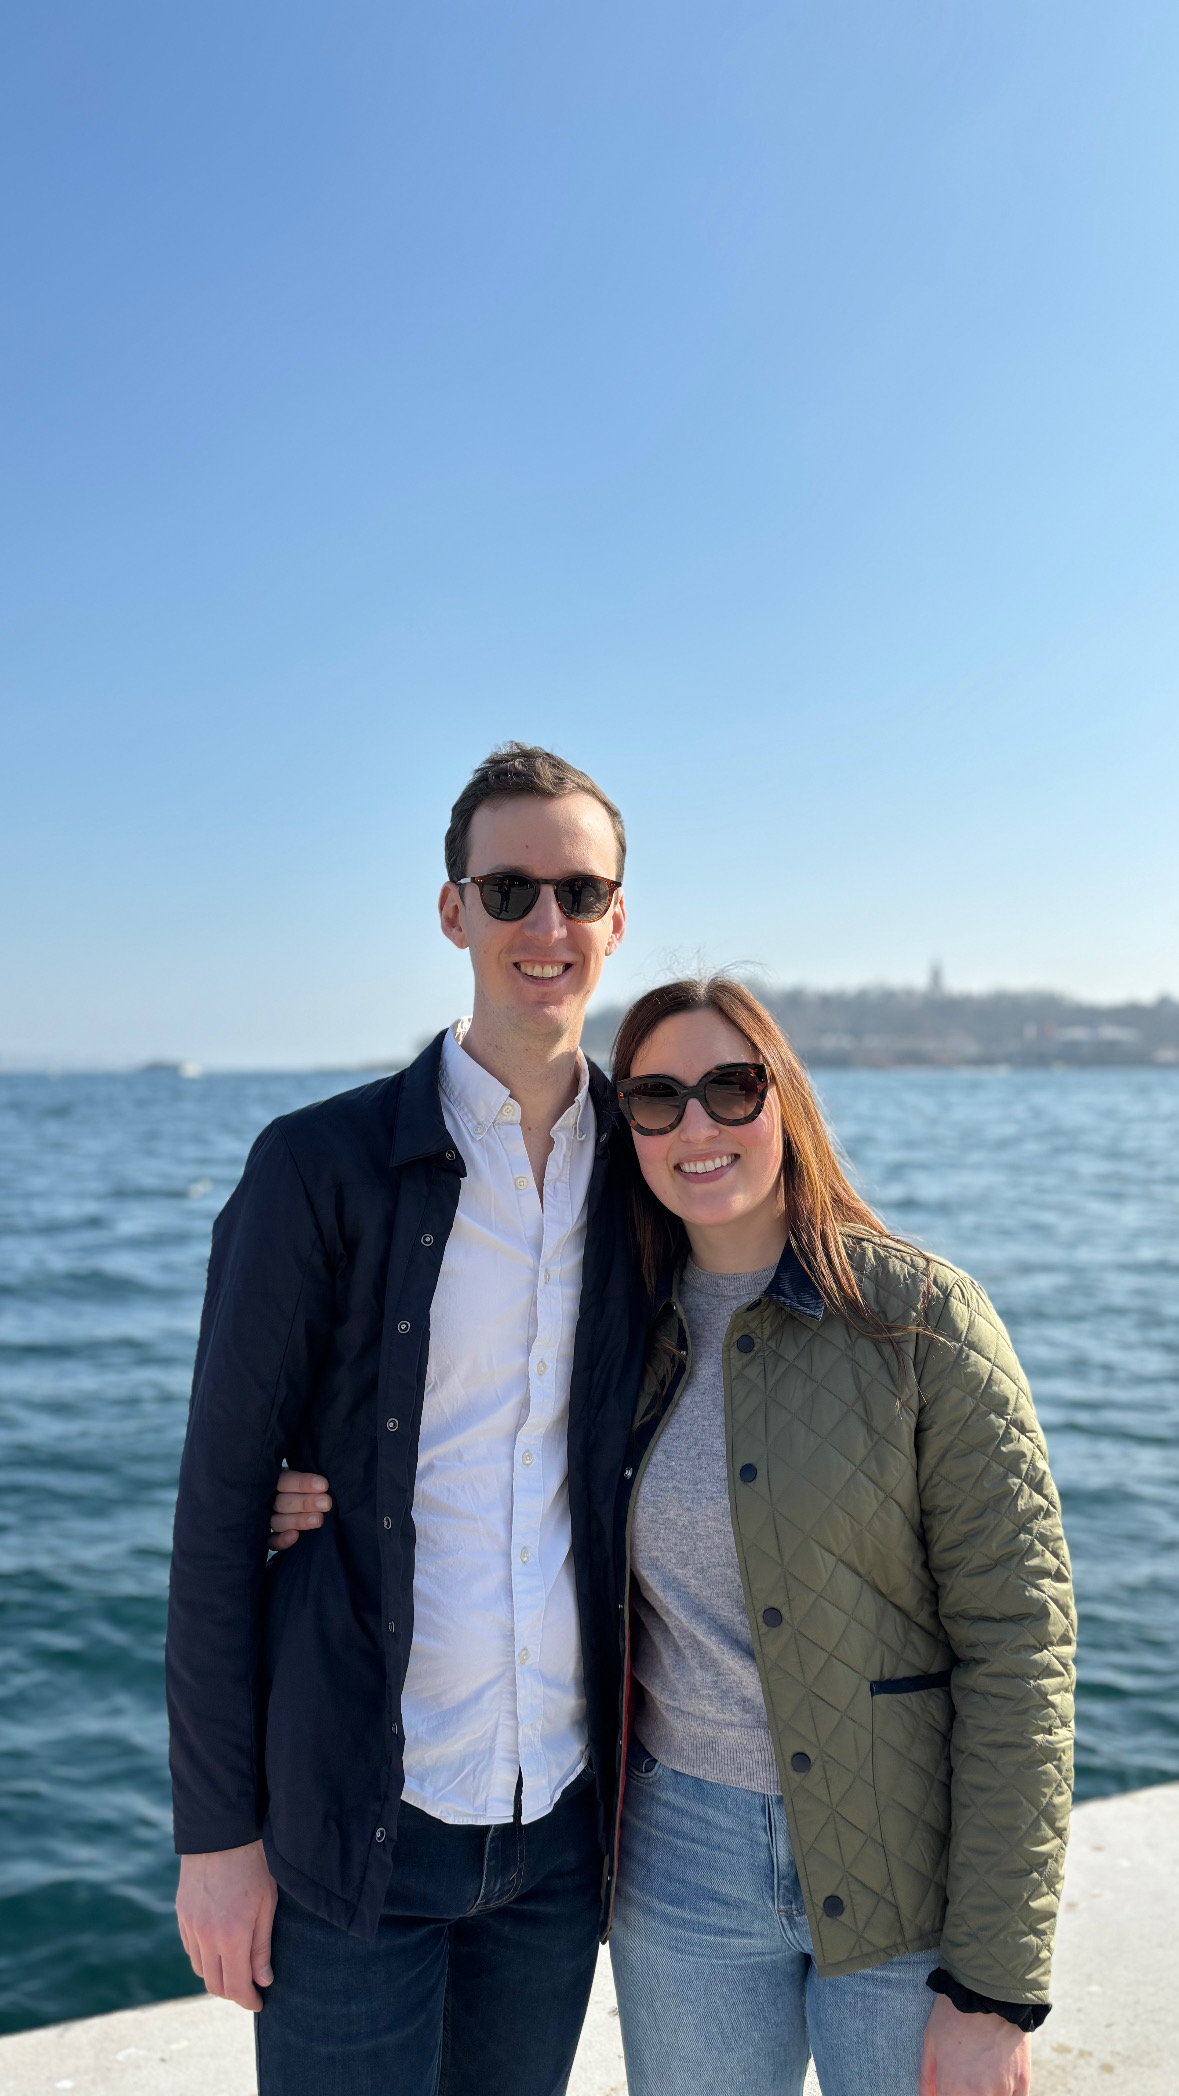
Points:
x=1025, y=2015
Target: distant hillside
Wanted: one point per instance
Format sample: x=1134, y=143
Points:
x=884, y=1029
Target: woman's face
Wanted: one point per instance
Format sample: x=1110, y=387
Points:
x=709, y=1175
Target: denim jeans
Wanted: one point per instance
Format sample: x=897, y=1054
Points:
x=477, y=1982
x=717, y=1987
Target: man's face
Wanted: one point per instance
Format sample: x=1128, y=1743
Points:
x=540, y=972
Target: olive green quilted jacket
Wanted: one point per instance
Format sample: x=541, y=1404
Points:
x=911, y=1611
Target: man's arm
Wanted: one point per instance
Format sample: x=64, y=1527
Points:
x=264, y=1333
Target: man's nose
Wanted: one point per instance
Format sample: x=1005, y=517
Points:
x=544, y=918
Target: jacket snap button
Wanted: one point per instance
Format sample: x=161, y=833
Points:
x=833, y=1905
x=772, y=1617
x=392, y=1425
x=403, y=1324
x=387, y=1523
x=427, y=1239
x=450, y=1157
x=747, y=1473
x=745, y=1344
x=800, y=1763
x=380, y=1834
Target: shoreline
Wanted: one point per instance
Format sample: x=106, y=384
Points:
x=1114, y=2024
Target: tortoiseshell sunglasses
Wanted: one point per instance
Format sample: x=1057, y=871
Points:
x=731, y=1095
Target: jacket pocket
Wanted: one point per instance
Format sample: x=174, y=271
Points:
x=912, y=1721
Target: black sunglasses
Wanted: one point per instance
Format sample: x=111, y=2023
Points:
x=732, y=1094
x=584, y=897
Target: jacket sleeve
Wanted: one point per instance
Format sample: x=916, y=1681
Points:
x=997, y=1552
x=264, y=1329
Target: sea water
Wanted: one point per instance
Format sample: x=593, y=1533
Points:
x=1059, y=1191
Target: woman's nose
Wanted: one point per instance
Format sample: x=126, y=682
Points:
x=696, y=1122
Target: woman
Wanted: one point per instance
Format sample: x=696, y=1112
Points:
x=849, y=1620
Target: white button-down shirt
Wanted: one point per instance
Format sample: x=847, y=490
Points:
x=494, y=1683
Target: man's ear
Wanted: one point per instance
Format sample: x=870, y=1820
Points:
x=450, y=915
x=617, y=926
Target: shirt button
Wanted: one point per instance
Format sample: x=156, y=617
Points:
x=521, y=1185
x=523, y=1655
x=540, y=1367
x=546, y=1273
x=392, y=1425
x=527, y=1458
x=386, y=1523
x=479, y=1127
x=525, y=1554
x=427, y=1239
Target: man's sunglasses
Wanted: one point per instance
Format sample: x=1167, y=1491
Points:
x=732, y=1094
x=583, y=897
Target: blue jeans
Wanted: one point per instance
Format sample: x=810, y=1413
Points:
x=716, y=1980
x=477, y=1982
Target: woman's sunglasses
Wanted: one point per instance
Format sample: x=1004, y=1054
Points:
x=584, y=897
x=731, y=1095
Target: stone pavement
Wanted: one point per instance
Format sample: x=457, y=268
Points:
x=1115, y=2025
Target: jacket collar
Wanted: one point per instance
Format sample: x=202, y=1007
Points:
x=791, y=1286
x=422, y=1132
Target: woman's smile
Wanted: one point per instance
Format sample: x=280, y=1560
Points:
x=707, y=1167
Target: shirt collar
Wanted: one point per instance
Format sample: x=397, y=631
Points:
x=477, y=1097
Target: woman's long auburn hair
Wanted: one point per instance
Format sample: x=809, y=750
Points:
x=820, y=1203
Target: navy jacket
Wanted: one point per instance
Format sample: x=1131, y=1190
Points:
x=284, y=1678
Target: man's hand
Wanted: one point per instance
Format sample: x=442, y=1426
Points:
x=225, y=1907
x=973, y=2055
x=301, y=1501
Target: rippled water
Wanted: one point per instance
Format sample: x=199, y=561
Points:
x=1059, y=1191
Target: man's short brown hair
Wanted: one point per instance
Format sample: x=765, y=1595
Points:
x=516, y=768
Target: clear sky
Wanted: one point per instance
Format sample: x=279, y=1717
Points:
x=773, y=407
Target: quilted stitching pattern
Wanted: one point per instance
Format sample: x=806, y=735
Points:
x=903, y=1520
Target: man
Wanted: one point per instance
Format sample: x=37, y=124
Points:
x=397, y=1743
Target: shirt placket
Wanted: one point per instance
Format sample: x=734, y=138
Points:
x=534, y=1455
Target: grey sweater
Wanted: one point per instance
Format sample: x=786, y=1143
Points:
x=699, y=1704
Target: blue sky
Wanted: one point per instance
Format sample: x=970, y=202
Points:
x=772, y=407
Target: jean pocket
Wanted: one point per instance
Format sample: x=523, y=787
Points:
x=641, y=1767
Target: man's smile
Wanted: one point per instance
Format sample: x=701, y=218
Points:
x=542, y=971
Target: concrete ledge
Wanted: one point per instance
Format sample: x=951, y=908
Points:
x=1115, y=2025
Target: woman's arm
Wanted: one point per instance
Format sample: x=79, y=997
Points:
x=300, y=1501
x=997, y=1552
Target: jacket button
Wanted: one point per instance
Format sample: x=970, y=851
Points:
x=833, y=1905
x=800, y=1763
x=450, y=1157
x=380, y=1834
x=745, y=1344
x=392, y=1425
x=386, y=1523
x=395, y=1728
x=747, y=1473
x=427, y=1239
x=403, y=1324
x=771, y=1617
x=391, y=1627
